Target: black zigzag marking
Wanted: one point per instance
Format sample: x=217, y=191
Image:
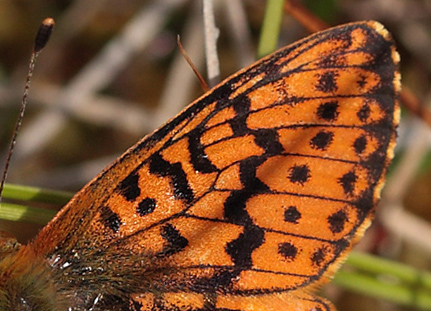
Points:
x=179, y=182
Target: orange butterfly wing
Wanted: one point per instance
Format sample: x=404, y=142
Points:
x=249, y=198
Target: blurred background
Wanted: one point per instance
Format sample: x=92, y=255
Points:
x=112, y=72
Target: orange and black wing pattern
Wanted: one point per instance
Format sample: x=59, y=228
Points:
x=249, y=198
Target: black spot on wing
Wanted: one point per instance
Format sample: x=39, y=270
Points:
x=364, y=113
x=347, y=181
x=360, y=144
x=146, y=206
x=161, y=167
x=299, y=174
x=337, y=221
x=327, y=82
x=319, y=255
x=328, y=111
x=175, y=241
x=288, y=251
x=129, y=187
x=292, y=215
x=322, y=140
x=110, y=219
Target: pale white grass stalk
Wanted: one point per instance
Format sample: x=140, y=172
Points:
x=211, y=35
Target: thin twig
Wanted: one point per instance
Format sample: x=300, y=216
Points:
x=180, y=80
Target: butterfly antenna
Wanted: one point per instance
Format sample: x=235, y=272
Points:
x=42, y=38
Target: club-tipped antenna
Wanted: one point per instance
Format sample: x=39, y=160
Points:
x=42, y=38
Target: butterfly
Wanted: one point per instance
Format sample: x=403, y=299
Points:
x=249, y=199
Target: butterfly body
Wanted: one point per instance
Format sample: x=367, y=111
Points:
x=247, y=200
